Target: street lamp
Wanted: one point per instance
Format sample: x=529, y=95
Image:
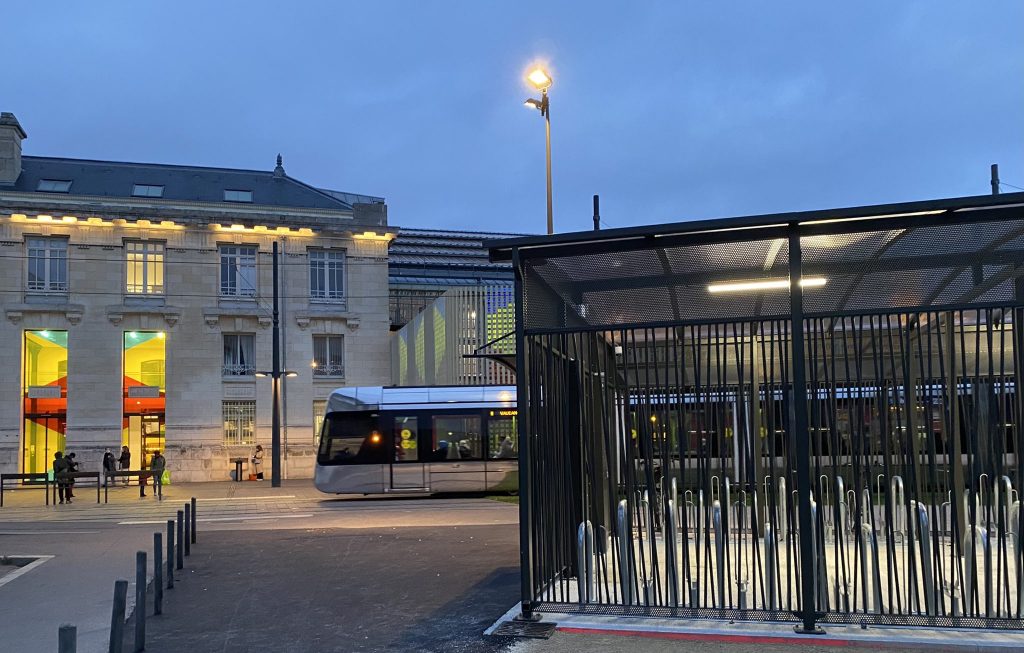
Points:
x=540, y=80
x=275, y=420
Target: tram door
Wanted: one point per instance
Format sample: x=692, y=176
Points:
x=408, y=472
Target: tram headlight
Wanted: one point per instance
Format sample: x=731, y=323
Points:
x=375, y=438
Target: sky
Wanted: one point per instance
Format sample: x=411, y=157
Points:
x=669, y=111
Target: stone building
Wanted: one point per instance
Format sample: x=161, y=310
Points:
x=136, y=309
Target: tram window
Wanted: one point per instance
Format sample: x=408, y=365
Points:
x=351, y=439
x=503, y=437
x=406, y=436
x=457, y=438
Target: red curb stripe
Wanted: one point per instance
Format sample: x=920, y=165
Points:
x=731, y=639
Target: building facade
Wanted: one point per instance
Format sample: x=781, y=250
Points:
x=136, y=308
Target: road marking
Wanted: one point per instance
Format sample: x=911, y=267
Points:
x=275, y=496
x=47, y=532
x=209, y=519
x=40, y=559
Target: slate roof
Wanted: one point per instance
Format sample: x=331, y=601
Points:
x=186, y=183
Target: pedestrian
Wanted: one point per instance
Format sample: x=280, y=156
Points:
x=142, y=476
x=109, y=465
x=60, y=475
x=157, y=465
x=72, y=467
x=124, y=462
x=257, y=462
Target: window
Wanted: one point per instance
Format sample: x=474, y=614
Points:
x=239, y=422
x=147, y=190
x=457, y=438
x=503, y=437
x=47, y=264
x=319, y=409
x=326, y=275
x=406, y=438
x=145, y=267
x=238, y=196
x=237, y=271
x=238, y=354
x=328, y=356
x=54, y=185
x=352, y=438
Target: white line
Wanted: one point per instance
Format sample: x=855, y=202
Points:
x=209, y=519
x=24, y=570
x=276, y=496
x=47, y=532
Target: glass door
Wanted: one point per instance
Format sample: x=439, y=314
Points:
x=407, y=470
x=44, y=435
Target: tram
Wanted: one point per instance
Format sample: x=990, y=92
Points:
x=427, y=439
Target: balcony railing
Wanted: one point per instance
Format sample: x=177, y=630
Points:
x=328, y=369
x=235, y=369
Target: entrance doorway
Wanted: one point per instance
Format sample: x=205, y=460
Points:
x=143, y=435
x=44, y=435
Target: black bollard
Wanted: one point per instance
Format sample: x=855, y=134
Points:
x=170, y=554
x=140, y=601
x=193, y=520
x=67, y=639
x=117, y=616
x=181, y=537
x=188, y=529
x=158, y=573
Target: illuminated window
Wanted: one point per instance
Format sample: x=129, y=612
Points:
x=54, y=186
x=239, y=422
x=328, y=356
x=47, y=264
x=238, y=196
x=239, y=359
x=237, y=271
x=319, y=410
x=327, y=275
x=145, y=267
x=147, y=190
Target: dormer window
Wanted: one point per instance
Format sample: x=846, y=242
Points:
x=238, y=196
x=147, y=190
x=54, y=186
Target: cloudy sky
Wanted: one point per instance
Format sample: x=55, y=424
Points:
x=668, y=110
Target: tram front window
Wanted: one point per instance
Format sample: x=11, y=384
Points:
x=351, y=439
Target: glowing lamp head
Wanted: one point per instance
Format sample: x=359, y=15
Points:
x=539, y=79
x=375, y=437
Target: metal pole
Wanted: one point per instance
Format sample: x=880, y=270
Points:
x=170, y=554
x=995, y=179
x=803, y=444
x=180, y=563
x=67, y=639
x=187, y=540
x=140, y=601
x=193, y=520
x=597, y=213
x=546, y=106
x=158, y=573
x=117, y=616
x=275, y=388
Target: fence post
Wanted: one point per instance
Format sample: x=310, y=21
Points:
x=158, y=573
x=117, y=616
x=170, y=554
x=181, y=537
x=193, y=520
x=140, y=601
x=67, y=639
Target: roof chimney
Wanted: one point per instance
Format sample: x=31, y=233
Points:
x=279, y=169
x=11, y=135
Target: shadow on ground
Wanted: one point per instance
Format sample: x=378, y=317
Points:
x=397, y=589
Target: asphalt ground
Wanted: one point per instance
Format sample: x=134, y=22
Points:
x=394, y=589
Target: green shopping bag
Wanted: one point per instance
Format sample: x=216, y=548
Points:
x=165, y=478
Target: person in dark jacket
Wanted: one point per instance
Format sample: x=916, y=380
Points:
x=109, y=465
x=157, y=464
x=124, y=461
x=72, y=468
x=60, y=475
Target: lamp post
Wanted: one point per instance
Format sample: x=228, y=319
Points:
x=540, y=80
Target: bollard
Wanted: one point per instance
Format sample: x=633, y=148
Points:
x=716, y=523
x=925, y=534
x=193, y=520
x=585, y=555
x=67, y=639
x=771, y=585
x=158, y=573
x=672, y=573
x=140, y=601
x=181, y=536
x=117, y=616
x=170, y=554
x=188, y=528
x=625, y=553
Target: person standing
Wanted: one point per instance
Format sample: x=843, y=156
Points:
x=124, y=462
x=257, y=462
x=142, y=476
x=109, y=465
x=157, y=465
x=60, y=475
x=72, y=467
